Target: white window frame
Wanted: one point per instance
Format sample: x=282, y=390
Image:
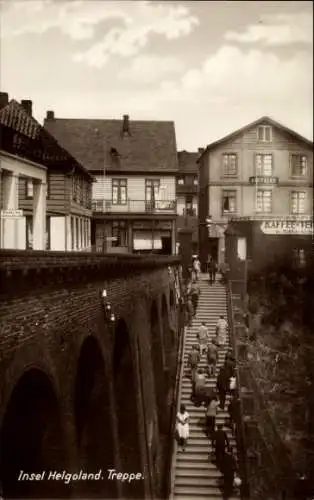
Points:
x=119, y=191
x=262, y=172
x=29, y=187
x=262, y=209
x=296, y=194
x=301, y=176
x=264, y=128
x=225, y=158
x=223, y=195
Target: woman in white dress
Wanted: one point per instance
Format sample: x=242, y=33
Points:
x=182, y=427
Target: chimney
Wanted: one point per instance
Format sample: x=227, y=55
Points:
x=201, y=150
x=50, y=115
x=4, y=99
x=27, y=105
x=126, y=125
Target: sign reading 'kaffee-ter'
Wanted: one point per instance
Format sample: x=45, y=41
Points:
x=299, y=227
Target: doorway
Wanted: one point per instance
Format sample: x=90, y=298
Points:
x=213, y=245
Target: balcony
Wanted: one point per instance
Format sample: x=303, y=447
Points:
x=187, y=189
x=135, y=206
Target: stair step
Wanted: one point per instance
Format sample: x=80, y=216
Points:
x=183, y=496
x=209, y=493
x=197, y=481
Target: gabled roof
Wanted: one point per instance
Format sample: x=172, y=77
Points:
x=15, y=117
x=150, y=148
x=188, y=161
x=264, y=120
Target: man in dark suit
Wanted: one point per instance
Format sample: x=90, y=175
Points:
x=220, y=443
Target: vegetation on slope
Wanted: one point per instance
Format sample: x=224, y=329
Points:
x=282, y=352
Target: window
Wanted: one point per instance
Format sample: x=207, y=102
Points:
x=264, y=133
x=189, y=206
x=120, y=233
x=298, y=199
x=230, y=166
x=29, y=188
x=229, y=200
x=195, y=180
x=119, y=191
x=264, y=164
x=298, y=165
x=180, y=181
x=264, y=201
x=152, y=187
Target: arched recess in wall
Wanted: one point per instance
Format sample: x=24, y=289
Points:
x=126, y=390
x=32, y=439
x=158, y=365
x=93, y=420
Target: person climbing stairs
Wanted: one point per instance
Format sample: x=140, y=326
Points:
x=194, y=475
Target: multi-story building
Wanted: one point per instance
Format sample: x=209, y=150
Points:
x=135, y=165
x=263, y=170
x=38, y=172
x=187, y=194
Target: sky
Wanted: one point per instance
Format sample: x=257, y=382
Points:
x=211, y=67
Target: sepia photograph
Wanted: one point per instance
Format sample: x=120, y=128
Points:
x=156, y=250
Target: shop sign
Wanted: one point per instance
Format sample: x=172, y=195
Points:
x=296, y=227
x=261, y=179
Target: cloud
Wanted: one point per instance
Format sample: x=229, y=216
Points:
x=79, y=19
x=145, y=69
x=232, y=75
x=144, y=19
x=277, y=30
x=76, y=19
x=233, y=87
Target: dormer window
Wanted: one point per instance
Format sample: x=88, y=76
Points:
x=264, y=133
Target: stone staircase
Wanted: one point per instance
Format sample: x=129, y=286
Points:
x=194, y=475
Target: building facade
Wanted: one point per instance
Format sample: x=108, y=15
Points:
x=187, y=194
x=134, y=164
x=43, y=174
x=262, y=171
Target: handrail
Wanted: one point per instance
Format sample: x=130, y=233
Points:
x=176, y=407
x=240, y=431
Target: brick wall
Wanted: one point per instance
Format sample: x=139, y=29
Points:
x=48, y=313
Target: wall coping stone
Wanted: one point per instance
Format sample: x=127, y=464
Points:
x=21, y=270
